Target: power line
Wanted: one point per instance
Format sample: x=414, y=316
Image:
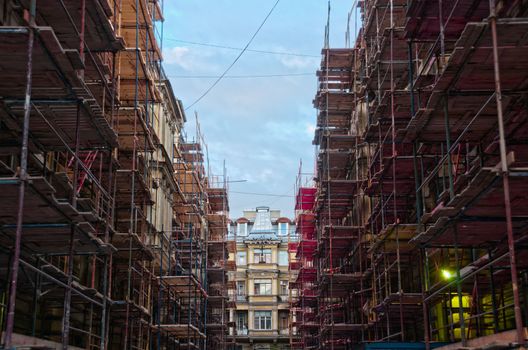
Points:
x=240, y=76
x=279, y=198
x=240, y=49
x=237, y=58
x=261, y=194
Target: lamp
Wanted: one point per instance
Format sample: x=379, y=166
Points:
x=446, y=274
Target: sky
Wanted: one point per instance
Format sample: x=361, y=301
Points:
x=260, y=126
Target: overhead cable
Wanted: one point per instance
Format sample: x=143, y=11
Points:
x=241, y=76
x=261, y=194
x=236, y=59
x=240, y=49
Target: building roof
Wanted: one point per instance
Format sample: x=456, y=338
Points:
x=262, y=221
x=262, y=228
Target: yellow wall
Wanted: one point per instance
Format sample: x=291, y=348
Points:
x=252, y=271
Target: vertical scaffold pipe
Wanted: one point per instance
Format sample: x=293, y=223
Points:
x=505, y=177
x=68, y=294
x=23, y=178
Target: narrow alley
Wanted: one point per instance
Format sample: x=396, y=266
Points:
x=134, y=218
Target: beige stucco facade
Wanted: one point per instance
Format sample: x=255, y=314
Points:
x=260, y=292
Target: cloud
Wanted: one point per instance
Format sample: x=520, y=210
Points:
x=310, y=129
x=177, y=55
x=266, y=175
x=296, y=62
x=262, y=127
x=190, y=59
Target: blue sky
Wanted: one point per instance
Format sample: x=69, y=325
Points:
x=261, y=127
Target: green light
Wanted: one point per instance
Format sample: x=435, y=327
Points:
x=446, y=274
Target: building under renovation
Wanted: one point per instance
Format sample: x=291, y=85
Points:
x=413, y=235
x=260, y=300
x=112, y=233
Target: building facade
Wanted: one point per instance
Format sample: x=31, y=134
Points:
x=260, y=295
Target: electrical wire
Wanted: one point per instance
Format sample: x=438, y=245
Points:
x=240, y=49
x=240, y=76
x=237, y=58
x=262, y=194
x=285, y=196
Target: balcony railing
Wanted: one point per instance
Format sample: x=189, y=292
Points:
x=243, y=331
x=264, y=333
x=263, y=266
x=284, y=298
x=266, y=298
x=283, y=239
x=284, y=331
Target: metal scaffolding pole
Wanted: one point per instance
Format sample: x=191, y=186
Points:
x=504, y=171
x=22, y=178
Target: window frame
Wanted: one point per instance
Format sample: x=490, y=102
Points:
x=238, y=256
x=241, y=225
x=240, y=288
x=262, y=320
x=283, y=283
x=263, y=286
x=241, y=316
x=259, y=253
x=284, y=321
x=280, y=231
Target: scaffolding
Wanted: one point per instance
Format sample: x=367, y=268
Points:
x=190, y=241
x=136, y=237
x=116, y=235
x=421, y=177
x=304, y=301
x=57, y=111
x=217, y=263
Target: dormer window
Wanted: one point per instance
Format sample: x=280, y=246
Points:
x=283, y=228
x=242, y=229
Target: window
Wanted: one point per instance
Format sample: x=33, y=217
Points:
x=262, y=256
x=241, y=321
x=294, y=293
x=241, y=258
x=283, y=228
x=241, y=288
x=262, y=287
x=283, y=288
x=242, y=229
x=263, y=320
x=283, y=321
x=283, y=258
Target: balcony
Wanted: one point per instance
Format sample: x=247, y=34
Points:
x=284, y=298
x=284, y=331
x=263, y=266
x=242, y=331
x=292, y=237
x=238, y=298
x=263, y=334
x=267, y=299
